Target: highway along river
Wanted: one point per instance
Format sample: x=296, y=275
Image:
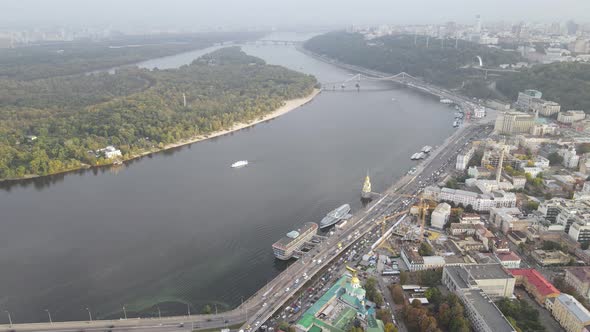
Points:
x=182, y=227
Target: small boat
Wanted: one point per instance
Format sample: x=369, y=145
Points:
x=240, y=163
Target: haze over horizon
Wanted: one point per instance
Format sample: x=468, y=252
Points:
x=187, y=14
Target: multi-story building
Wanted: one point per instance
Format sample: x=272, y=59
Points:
x=544, y=107
x=579, y=278
x=514, y=123
x=491, y=157
x=584, y=164
x=493, y=279
x=535, y=284
x=483, y=314
x=570, y=157
x=479, y=202
x=470, y=218
x=498, y=215
x=542, y=129
x=580, y=229
x=440, y=215
x=569, y=117
x=541, y=162
x=415, y=262
x=294, y=240
x=461, y=229
x=570, y=313
x=463, y=159
x=547, y=258
x=532, y=171
x=510, y=219
x=580, y=46
x=525, y=99
x=508, y=260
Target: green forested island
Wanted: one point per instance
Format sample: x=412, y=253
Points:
x=55, y=124
x=69, y=58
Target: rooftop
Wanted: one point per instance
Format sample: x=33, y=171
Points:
x=575, y=307
x=293, y=235
x=543, y=286
x=581, y=273
x=488, y=311
x=507, y=257
x=458, y=275
x=487, y=271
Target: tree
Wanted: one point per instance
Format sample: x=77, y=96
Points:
x=555, y=159
x=425, y=249
x=389, y=327
x=459, y=324
x=207, y=309
x=384, y=315
x=378, y=299
x=397, y=294
x=452, y=183
x=283, y=326
x=434, y=295
x=403, y=277
x=521, y=314
x=532, y=205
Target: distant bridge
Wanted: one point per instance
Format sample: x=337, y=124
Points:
x=273, y=42
x=355, y=80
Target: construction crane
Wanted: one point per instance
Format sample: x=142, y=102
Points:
x=383, y=223
x=423, y=206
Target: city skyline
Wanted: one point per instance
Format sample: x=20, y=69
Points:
x=185, y=14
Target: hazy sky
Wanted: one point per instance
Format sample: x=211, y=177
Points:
x=195, y=13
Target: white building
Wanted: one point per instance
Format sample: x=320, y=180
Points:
x=545, y=107
x=542, y=129
x=479, y=112
x=509, y=260
x=463, y=159
x=541, y=162
x=479, y=202
x=514, y=123
x=109, y=152
x=580, y=229
x=440, y=215
x=533, y=171
x=570, y=157
x=570, y=313
x=569, y=117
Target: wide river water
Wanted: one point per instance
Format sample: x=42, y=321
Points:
x=183, y=227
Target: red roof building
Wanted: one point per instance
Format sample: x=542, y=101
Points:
x=534, y=282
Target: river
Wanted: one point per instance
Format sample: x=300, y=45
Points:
x=181, y=226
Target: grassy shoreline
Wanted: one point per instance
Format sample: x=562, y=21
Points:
x=288, y=106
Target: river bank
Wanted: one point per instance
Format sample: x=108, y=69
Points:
x=289, y=106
